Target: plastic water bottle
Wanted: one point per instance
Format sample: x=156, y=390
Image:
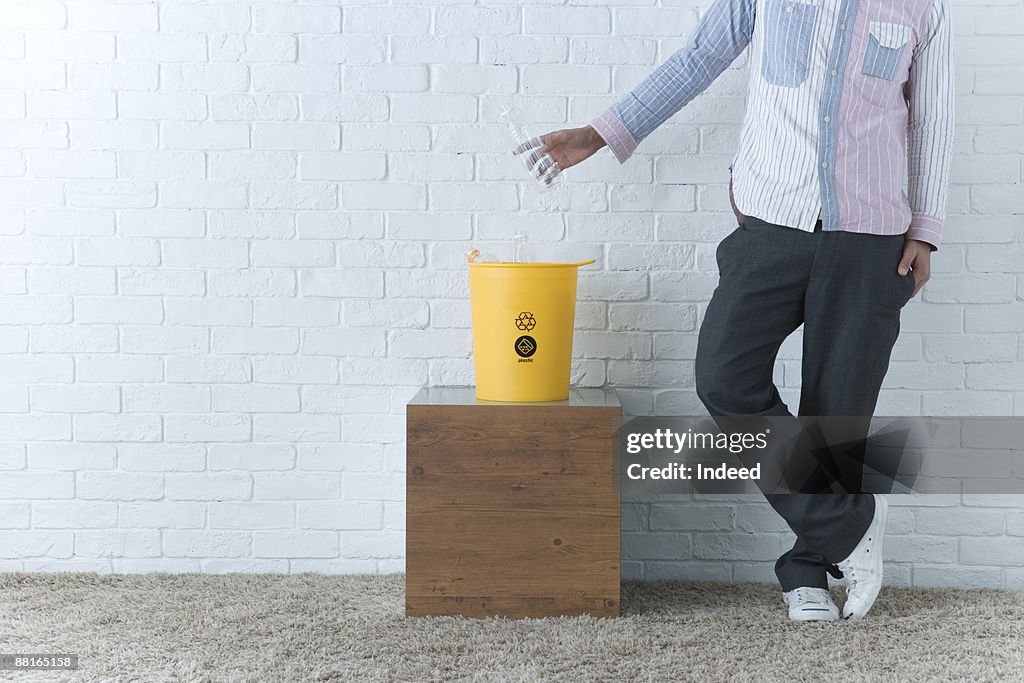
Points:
x=541, y=167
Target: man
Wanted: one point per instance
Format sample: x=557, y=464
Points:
x=839, y=184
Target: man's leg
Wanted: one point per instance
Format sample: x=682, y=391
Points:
x=758, y=302
x=851, y=322
x=764, y=271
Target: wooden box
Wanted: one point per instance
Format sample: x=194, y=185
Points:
x=512, y=509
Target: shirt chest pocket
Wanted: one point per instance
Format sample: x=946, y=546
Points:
x=886, y=43
x=788, y=34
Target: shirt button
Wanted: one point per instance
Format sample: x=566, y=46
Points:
x=827, y=119
x=824, y=164
x=842, y=27
x=789, y=8
x=834, y=72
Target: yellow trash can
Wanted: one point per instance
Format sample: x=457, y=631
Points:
x=523, y=321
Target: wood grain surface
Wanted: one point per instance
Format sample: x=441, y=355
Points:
x=512, y=510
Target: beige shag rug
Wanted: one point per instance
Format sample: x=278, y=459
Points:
x=281, y=629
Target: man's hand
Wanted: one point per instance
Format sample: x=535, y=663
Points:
x=554, y=152
x=917, y=255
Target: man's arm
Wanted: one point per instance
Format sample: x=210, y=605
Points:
x=722, y=33
x=930, y=127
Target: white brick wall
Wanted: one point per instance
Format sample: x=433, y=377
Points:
x=231, y=249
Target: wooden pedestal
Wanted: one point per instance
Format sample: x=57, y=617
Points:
x=512, y=509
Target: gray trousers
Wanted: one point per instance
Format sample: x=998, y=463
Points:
x=844, y=289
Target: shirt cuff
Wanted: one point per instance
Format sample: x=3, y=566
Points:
x=926, y=229
x=619, y=139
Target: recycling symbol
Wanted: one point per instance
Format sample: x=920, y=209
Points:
x=526, y=321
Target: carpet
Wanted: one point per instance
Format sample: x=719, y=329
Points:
x=279, y=628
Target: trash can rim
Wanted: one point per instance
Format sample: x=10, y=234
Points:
x=534, y=264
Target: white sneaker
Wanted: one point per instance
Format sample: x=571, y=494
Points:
x=810, y=604
x=863, y=568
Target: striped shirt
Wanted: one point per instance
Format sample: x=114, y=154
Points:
x=849, y=110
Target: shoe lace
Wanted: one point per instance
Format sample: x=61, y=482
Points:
x=851, y=576
x=811, y=596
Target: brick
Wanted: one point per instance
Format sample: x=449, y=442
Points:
x=386, y=79
x=252, y=166
x=530, y=49
x=473, y=79
x=166, y=398
x=379, y=21
x=296, y=136
x=66, y=399
x=386, y=137
x=296, y=78
x=162, y=106
x=204, y=136
x=432, y=108
x=251, y=515
x=117, y=428
x=252, y=48
x=193, y=253
x=161, y=165
x=294, y=195
x=557, y=78
x=158, y=339
x=993, y=551
x=72, y=164
x=347, y=49
x=299, y=370
x=344, y=166
x=113, y=76
x=251, y=282
x=161, y=47
x=19, y=544
x=213, y=369
x=251, y=457
x=291, y=253
x=340, y=457
x=161, y=515
x=476, y=21
x=297, y=487
x=34, y=310
x=202, y=428
x=473, y=197
x=630, y=21
x=69, y=222
x=34, y=76
x=206, y=544
x=431, y=167
x=343, y=401
x=115, y=135
x=105, y=16
x=655, y=546
x=256, y=399
x=384, y=195
x=73, y=515
x=567, y=20
x=253, y=107
x=305, y=312
x=200, y=19
x=33, y=15
x=350, y=107
x=161, y=281
x=612, y=51
x=291, y=19
x=69, y=46
x=31, y=193
x=420, y=49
